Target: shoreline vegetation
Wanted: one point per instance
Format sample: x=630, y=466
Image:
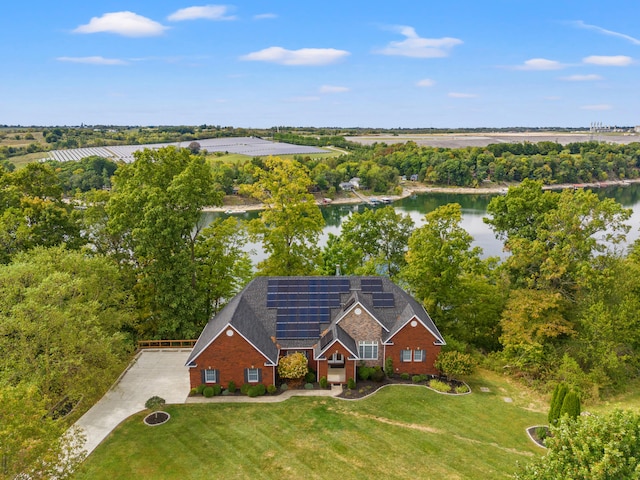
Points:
x=412, y=188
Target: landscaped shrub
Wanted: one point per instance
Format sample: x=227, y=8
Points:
x=462, y=389
x=439, y=386
x=231, y=387
x=377, y=375
x=351, y=384
x=310, y=377
x=324, y=383
x=200, y=388
x=217, y=390
x=208, y=392
x=225, y=393
x=570, y=405
x=559, y=393
x=245, y=388
x=405, y=376
x=256, y=390
x=193, y=391
x=154, y=403
x=293, y=366
x=388, y=367
x=364, y=372
x=542, y=433
x=271, y=389
x=454, y=364
x=308, y=386
x=284, y=387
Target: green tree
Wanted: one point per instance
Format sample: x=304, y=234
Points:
x=377, y=241
x=448, y=276
x=156, y=207
x=595, y=447
x=62, y=318
x=32, y=443
x=293, y=366
x=291, y=223
x=570, y=405
x=559, y=393
x=224, y=267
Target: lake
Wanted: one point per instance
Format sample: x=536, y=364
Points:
x=474, y=208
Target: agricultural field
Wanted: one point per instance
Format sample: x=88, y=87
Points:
x=460, y=140
x=399, y=432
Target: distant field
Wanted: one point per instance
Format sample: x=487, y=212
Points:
x=22, y=160
x=400, y=432
x=459, y=140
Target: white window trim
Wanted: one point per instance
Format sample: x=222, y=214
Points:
x=423, y=355
x=251, y=372
x=405, y=356
x=362, y=348
x=212, y=372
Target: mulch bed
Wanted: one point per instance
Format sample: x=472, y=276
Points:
x=367, y=387
x=156, y=418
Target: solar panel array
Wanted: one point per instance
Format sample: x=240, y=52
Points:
x=302, y=305
x=383, y=300
x=369, y=285
x=250, y=146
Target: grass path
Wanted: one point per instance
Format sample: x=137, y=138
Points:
x=398, y=433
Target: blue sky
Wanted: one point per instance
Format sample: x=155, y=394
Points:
x=351, y=63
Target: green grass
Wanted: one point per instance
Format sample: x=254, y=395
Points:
x=21, y=161
x=398, y=433
x=237, y=158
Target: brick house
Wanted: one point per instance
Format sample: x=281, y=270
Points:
x=337, y=322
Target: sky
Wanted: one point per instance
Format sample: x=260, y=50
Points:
x=352, y=63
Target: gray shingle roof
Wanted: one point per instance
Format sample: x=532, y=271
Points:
x=247, y=312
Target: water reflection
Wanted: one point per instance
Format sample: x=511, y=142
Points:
x=474, y=208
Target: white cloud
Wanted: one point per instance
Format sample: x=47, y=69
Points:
x=418, y=47
x=265, y=16
x=540, y=64
x=598, y=107
x=425, y=82
x=333, y=89
x=303, y=56
x=208, y=12
x=608, y=61
x=629, y=38
x=582, y=78
x=93, y=60
x=462, y=95
x=127, y=24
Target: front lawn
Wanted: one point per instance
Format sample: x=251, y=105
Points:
x=398, y=433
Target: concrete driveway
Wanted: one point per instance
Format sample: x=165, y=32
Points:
x=152, y=372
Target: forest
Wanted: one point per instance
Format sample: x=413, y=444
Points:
x=97, y=255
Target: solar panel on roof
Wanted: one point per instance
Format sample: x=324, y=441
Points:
x=369, y=285
x=383, y=300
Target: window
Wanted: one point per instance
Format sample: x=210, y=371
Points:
x=419, y=355
x=405, y=355
x=253, y=375
x=336, y=358
x=210, y=376
x=368, y=350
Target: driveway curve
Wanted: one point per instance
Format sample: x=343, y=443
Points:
x=152, y=372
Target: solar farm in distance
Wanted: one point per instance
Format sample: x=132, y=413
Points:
x=250, y=146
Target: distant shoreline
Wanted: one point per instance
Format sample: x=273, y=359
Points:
x=418, y=188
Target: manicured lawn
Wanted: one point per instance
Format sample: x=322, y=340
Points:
x=398, y=433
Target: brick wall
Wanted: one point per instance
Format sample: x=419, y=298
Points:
x=230, y=355
x=350, y=365
x=364, y=328
x=413, y=338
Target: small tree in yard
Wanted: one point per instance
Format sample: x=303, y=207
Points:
x=454, y=364
x=559, y=393
x=194, y=147
x=293, y=367
x=570, y=405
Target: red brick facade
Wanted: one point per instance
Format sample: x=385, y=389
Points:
x=349, y=365
x=413, y=336
x=230, y=355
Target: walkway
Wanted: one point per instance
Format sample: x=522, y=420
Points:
x=152, y=372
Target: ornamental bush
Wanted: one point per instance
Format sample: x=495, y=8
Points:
x=293, y=366
x=324, y=383
x=570, y=405
x=454, y=364
x=308, y=386
x=208, y=392
x=200, y=388
x=231, y=386
x=256, y=390
x=271, y=389
x=351, y=384
x=310, y=377
x=440, y=386
x=245, y=388
x=217, y=390
x=559, y=393
x=462, y=389
x=377, y=375
x=388, y=367
x=154, y=403
x=364, y=372
x=405, y=376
